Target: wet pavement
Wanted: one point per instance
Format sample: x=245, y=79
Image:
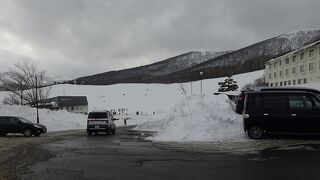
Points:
x=127, y=155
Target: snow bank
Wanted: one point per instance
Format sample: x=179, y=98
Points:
x=53, y=120
x=213, y=119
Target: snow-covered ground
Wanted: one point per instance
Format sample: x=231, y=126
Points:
x=208, y=117
x=147, y=98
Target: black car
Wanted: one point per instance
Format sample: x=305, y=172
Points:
x=12, y=124
x=239, y=100
x=281, y=112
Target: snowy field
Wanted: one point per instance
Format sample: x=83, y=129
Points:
x=147, y=98
x=165, y=109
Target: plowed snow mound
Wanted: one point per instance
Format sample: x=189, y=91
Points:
x=213, y=119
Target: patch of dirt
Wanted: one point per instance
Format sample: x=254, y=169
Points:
x=17, y=152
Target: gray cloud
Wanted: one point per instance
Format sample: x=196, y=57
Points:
x=73, y=38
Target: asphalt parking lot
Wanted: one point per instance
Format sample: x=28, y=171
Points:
x=127, y=155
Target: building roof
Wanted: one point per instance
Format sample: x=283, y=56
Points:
x=295, y=51
x=67, y=101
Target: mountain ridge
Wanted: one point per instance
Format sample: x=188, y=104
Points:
x=151, y=71
x=246, y=59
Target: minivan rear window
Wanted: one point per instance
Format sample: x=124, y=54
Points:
x=254, y=103
x=275, y=102
x=96, y=115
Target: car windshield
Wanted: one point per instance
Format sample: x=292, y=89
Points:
x=24, y=120
x=98, y=115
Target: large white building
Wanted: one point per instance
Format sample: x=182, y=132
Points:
x=298, y=67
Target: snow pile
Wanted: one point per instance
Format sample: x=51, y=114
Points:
x=53, y=120
x=213, y=119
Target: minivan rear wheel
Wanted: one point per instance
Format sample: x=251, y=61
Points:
x=255, y=132
x=27, y=132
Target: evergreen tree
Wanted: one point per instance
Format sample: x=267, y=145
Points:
x=228, y=85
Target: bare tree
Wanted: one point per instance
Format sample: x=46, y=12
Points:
x=20, y=84
x=258, y=82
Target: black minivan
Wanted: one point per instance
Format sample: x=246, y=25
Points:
x=12, y=124
x=281, y=112
x=239, y=99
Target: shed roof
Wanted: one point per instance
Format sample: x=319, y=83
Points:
x=68, y=101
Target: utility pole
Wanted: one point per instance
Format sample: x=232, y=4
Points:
x=37, y=105
x=201, y=74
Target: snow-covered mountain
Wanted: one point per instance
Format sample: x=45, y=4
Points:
x=247, y=59
x=145, y=74
x=186, y=67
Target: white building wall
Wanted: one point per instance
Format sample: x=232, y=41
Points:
x=299, y=67
x=76, y=109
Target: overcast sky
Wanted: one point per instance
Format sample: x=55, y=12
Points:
x=72, y=38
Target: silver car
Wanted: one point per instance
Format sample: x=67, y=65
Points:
x=100, y=121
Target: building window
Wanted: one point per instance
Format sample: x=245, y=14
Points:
x=311, y=52
x=285, y=83
x=287, y=72
x=299, y=81
x=271, y=84
x=280, y=73
x=276, y=84
x=275, y=65
x=289, y=82
x=287, y=61
x=281, y=83
x=302, y=68
x=280, y=62
x=270, y=66
x=270, y=76
x=311, y=66
x=293, y=82
x=275, y=74
x=301, y=56
x=294, y=70
x=294, y=59
x=304, y=80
